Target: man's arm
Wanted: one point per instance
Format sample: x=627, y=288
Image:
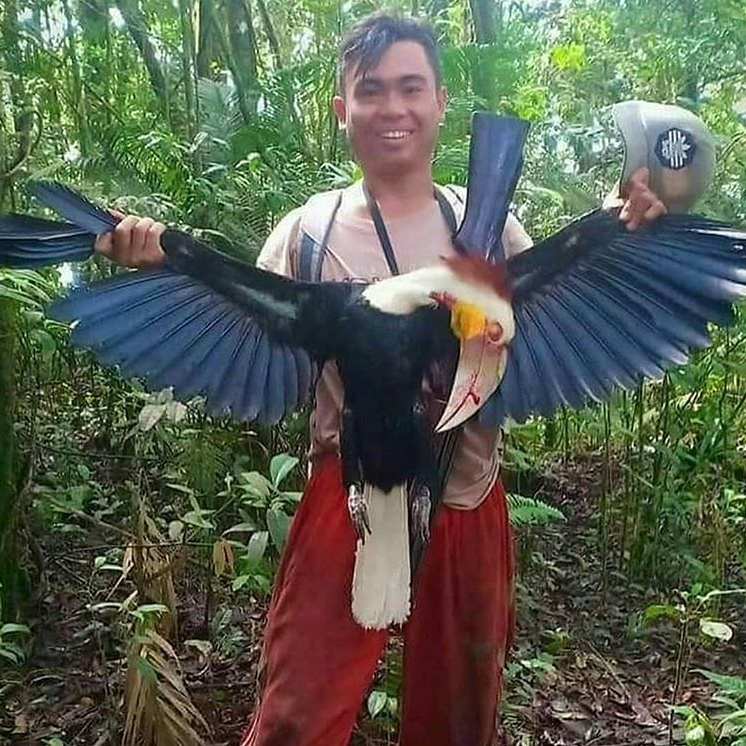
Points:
x=135, y=243
x=280, y=251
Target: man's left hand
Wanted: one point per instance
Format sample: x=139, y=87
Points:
x=641, y=206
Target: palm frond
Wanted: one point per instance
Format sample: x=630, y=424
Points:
x=528, y=511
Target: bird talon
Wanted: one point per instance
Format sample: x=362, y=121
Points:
x=420, y=512
x=358, y=509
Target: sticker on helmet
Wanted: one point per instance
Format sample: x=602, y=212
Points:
x=675, y=148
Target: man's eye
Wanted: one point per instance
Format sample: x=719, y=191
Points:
x=412, y=90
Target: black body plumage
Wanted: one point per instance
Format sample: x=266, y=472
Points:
x=382, y=358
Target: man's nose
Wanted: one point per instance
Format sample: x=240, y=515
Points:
x=393, y=105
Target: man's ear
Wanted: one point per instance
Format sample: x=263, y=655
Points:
x=442, y=97
x=340, y=110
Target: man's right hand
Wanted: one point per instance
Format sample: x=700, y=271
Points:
x=135, y=242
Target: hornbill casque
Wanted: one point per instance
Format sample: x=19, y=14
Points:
x=592, y=308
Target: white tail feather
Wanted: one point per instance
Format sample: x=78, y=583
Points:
x=382, y=578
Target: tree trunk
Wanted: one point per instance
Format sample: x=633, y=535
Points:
x=134, y=19
x=8, y=494
x=269, y=30
x=205, y=39
x=9, y=567
x=244, y=99
x=78, y=97
x=485, y=34
x=483, y=18
x=243, y=40
x=188, y=67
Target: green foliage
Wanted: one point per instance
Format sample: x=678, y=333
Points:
x=10, y=637
x=529, y=511
x=265, y=512
x=725, y=722
x=226, y=158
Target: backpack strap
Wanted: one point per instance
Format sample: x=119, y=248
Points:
x=321, y=211
x=314, y=229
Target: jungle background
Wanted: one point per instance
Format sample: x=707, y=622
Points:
x=139, y=537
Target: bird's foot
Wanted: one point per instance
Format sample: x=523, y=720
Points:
x=358, y=508
x=420, y=512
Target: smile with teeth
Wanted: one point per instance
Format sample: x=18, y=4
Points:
x=396, y=134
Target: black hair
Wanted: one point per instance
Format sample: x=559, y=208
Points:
x=367, y=41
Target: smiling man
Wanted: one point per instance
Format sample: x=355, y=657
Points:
x=318, y=660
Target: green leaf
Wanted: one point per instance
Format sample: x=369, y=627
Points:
x=733, y=684
x=278, y=524
x=149, y=416
x=6, y=292
x=716, y=630
x=256, y=548
x=12, y=652
x=257, y=486
x=33, y=317
x=695, y=736
x=106, y=606
x=44, y=340
x=239, y=528
x=528, y=511
x=240, y=582
x=146, y=670
x=180, y=488
x=204, y=647
x=143, y=612
x=261, y=582
x=376, y=702
x=660, y=611
x=197, y=519
x=14, y=629
x=280, y=466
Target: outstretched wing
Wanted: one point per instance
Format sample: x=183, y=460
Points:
x=27, y=242
x=173, y=330
x=598, y=307
x=205, y=324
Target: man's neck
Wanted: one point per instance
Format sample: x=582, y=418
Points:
x=401, y=195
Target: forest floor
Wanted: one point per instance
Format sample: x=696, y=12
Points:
x=582, y=670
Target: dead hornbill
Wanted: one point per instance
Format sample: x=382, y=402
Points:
x=589, y=309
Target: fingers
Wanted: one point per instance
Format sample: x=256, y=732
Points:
x=135, y=242
x=642, y=205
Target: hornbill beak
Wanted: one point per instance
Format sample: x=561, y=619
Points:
x=481, y=362
x=480, y=367
x=495, y=161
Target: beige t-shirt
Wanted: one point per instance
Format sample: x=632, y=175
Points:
x=354, y=253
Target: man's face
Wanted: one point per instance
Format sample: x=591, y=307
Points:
x=392, y=113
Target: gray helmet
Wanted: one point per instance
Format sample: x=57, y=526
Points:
x=673, y=144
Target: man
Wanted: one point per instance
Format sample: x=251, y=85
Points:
x=317, y=661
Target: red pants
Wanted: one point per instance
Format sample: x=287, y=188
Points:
x=318, y=663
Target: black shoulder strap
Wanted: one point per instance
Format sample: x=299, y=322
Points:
x=311, y=251
x=383, y=234
x=446, y=209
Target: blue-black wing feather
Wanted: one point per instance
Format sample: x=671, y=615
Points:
x=598, y=307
